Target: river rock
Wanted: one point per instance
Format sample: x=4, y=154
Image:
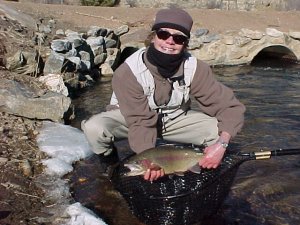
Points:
x=19, y=99
x=55, y=83
x=61, y=45
x=24, y=62
x=273, y=32
x=54, y=63
x=295, y=34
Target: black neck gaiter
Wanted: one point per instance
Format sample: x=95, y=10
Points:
x=167, y=64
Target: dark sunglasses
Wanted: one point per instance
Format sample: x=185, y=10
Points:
x=178, y=38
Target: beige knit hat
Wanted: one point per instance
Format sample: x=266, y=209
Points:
x=173, y=18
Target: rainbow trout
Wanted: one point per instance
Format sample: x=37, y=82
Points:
x=172, y=159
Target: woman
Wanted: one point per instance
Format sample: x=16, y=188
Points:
x=151, y=98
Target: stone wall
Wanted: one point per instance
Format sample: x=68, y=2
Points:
x=246, y=5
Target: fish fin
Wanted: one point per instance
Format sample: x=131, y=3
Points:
x=150, y=165
x=154, y=166
x=195, y=169
x=171, y=176
x=180, y=174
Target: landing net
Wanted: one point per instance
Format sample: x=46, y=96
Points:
x=178, y=200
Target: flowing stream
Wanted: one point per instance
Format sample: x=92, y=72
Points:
x=264, y=191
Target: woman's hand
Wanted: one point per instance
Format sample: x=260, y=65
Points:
x=213, y=156
x=215, y=152
x=153, y=174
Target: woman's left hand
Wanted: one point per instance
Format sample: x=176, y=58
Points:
x=213, y=156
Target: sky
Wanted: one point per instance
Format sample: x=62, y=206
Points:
x=65, y=145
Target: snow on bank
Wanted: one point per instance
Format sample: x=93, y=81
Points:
x=65, y=145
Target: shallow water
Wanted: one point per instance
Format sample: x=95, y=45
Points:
x=264, y=191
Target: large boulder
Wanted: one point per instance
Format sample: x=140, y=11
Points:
x=19, y=99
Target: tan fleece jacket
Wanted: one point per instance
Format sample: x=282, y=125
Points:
x=213, y=98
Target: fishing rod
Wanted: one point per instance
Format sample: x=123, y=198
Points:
x=267, y=154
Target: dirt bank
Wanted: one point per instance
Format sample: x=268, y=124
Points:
x=216, y=21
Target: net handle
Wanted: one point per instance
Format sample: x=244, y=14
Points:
x=266, y=154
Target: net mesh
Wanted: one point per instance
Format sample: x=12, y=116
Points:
x=178, y=200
